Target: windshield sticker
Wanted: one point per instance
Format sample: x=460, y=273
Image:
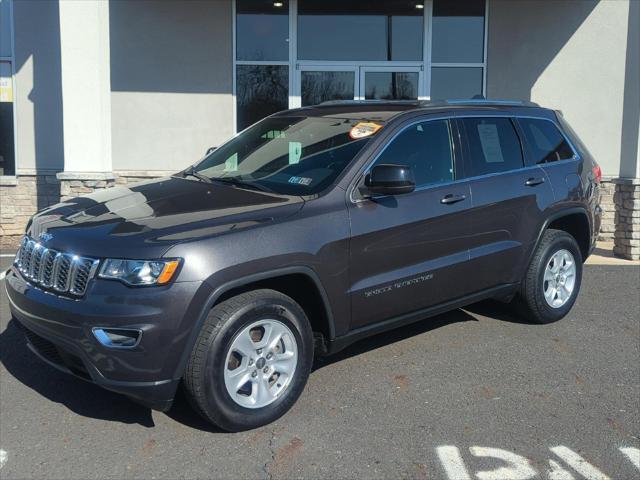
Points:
x=295, y=152
x=306, y=181
x=231, y=164
x=364, y=129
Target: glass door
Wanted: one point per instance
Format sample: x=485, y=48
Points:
x=321, y=83
x=390, y=83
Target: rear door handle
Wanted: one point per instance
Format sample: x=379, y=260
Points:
x=451, y=198
x=532, y=182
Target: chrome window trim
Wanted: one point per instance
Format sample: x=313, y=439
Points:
x=367, y=167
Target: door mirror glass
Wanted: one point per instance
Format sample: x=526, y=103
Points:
x=388, y=179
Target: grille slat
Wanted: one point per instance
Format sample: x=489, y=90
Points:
x=63, y=272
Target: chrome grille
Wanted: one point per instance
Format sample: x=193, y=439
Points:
x=62, y=272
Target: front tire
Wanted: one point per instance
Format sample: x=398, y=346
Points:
x=251, y=360
x=553, y=279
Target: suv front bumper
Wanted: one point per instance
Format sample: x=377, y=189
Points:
x=60, y=331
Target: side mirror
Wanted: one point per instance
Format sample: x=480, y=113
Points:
x=210, y=150
x=390, y=179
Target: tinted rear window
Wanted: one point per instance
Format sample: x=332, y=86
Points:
x=493, y=144
x=544, y=141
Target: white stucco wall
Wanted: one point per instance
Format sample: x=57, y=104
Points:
x=37, y=95
x=567, y=55
x=171, y=81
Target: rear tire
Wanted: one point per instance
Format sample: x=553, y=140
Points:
x=552, y=282
x=262, y=336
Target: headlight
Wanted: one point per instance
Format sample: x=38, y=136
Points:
x=139, y=272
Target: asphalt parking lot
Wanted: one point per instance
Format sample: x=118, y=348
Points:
x=473, y=393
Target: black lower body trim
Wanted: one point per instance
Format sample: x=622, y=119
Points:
x=339, y=343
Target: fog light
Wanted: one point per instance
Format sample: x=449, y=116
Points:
x=118, y=337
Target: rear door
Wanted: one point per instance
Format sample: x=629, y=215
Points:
x=410, y=251
x=508, y=199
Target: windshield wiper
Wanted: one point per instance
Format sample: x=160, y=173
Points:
x=191, y=172
x=242, y=184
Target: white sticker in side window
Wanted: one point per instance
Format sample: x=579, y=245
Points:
x=490, y=142
x=295, y=152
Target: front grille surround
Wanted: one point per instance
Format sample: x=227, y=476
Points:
x=61, y=272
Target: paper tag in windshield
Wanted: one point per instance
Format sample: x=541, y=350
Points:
x=364, y=129
x=231, y=164
x=306, y=181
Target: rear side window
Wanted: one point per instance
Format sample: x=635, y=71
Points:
x=493, y=144
x=426, y=148
x=544, y=141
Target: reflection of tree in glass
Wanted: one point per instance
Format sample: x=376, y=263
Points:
x=392, y=86
x=318, y=87
x=261, y=91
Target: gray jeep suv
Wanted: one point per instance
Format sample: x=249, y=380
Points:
x=310, y=230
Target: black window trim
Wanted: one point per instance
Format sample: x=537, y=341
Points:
x=520, y=130
x=457, y=145
x=456, y=157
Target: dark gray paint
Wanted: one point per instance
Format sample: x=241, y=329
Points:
x=434, y=256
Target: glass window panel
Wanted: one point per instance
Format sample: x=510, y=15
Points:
x=260, y=91
x=406, y=37
x=7, y=154
x=5, y=29
x=262, y=30
x=544, y=141
x=356, y=30
x=426, y=148
x=493, y=145
x=391, y=85
x=455, y=82
x=318, y=87
x=458, y=31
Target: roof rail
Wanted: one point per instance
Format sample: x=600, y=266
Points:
x=475, y=101
x=365, y=102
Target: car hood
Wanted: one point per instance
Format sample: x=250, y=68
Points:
x=146, y=219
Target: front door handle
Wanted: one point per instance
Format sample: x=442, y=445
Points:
x=451, y=198
x=532, y=182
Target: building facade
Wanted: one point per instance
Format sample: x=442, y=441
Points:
x=96, y=93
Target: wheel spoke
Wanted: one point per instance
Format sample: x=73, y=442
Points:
x=244, y=345
x=240, y=380
x=264, y=395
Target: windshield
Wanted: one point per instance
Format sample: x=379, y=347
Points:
x=287, y=155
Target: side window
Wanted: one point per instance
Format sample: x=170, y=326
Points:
x=426, y=148
x=494, y=145
x=544, y=141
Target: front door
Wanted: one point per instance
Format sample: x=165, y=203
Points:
x=410, y=251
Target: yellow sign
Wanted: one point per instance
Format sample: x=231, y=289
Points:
x=6, y=82
x=364, y=129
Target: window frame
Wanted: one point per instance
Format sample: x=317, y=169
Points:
x=295, y=65
x=528, y=161
x=456, y=155
x=464, y=139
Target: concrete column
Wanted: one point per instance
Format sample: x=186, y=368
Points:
x=86, y=91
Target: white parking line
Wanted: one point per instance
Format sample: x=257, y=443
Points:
x=3, y=458
x=633, y=454
x=7, y=255
x=519, y=468
x=2, y=275
x=578, y=463
x=452, y=462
